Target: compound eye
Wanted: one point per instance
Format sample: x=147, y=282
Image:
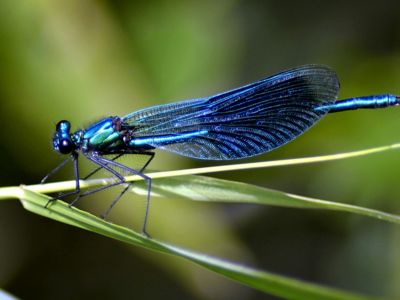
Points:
x=66, y=146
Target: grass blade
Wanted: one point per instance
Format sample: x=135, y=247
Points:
x=202, y=188
x=264, y=281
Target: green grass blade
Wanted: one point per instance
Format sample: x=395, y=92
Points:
x=264, y=281
x=201, y=188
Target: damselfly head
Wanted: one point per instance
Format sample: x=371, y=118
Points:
x=62, y=138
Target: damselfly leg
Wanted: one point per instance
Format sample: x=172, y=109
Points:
x=99, y=168
x=107, y=163
x=102, y=165
x=74, y=157
x=130, y=184
x=56, y=169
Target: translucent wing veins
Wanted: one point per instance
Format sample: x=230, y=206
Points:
x=243, y=122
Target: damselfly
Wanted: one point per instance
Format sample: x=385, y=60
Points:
x=240, y=123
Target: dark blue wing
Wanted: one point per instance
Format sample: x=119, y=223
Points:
x=243, y=122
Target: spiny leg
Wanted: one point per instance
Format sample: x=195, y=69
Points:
x=99, y=168
x=77, y=189
x=148, y=181
x=107, y=212
x=77, y=186
x=151, y=156
x=138, y=173
x=95, y=159
x=55, y=170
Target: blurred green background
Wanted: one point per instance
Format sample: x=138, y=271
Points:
x=83, y=60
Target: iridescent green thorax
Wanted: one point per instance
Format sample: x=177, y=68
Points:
x=103, y=135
